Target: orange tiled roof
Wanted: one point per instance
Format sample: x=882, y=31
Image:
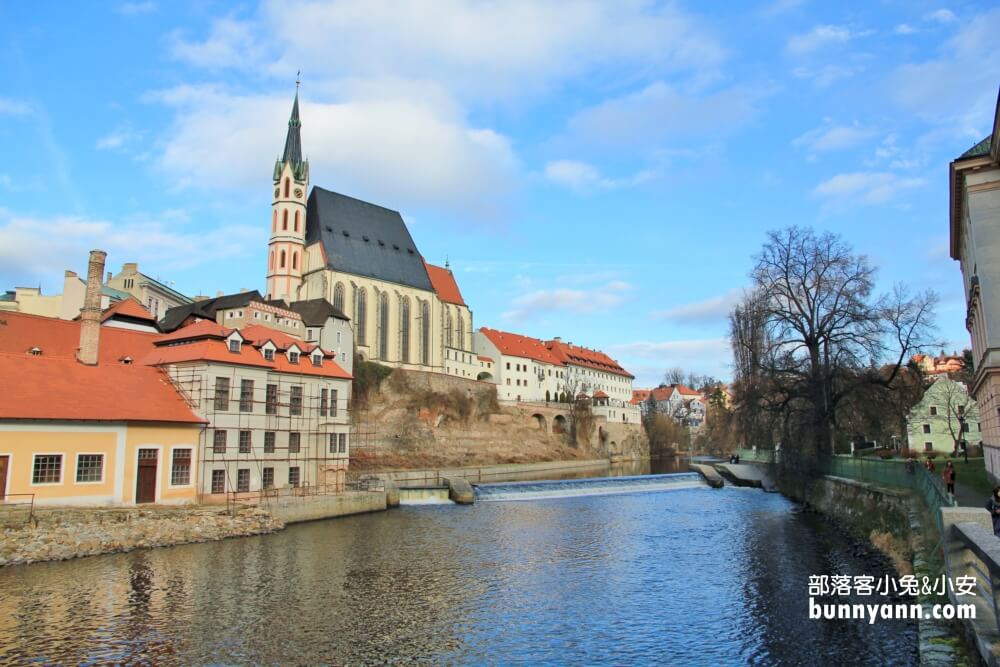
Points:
x=444, y=284
x=129, y=307
x=258, y=334
x=600, y=394
x=640, y=395
x=482, y=358
x=207, y=346
x=581, y=356
x=55, y=386
x=200, y=329
x=516, y=345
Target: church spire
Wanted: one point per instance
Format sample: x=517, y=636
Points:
x=293, y=142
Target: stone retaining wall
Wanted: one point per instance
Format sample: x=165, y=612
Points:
x=61, y=534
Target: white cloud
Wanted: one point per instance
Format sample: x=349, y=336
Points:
x=819, y=37
x=13, y=107
x=231, y=44
x=582, y=302
x=825, y=75
x=957, y=90
x=137, y=8
x=941, y=16
x=834, y=137
x=708, y=355
x=866, y=187
x=402, y=152
x=584, y=177
x=710, y=311
x=119, y=139
x=905, y=29
x=34, y=249
x=660, y=112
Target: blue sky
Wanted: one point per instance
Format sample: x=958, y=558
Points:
x=600, y=171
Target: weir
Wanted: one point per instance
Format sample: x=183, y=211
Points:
x=424, y=495
x=597, y=486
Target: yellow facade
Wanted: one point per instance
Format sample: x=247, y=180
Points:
x=118, y=446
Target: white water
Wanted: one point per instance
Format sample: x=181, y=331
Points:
x=425, y=501
x=600, y=486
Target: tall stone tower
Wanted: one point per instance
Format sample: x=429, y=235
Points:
x=286, y=249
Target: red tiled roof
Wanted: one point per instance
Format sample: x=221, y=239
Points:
x=581, y=356
x=443, y=282
x=482, y=358
x=600, y=394
x=640, y=395
x=516, y=345
x=686, y=391
x=200, y=329
x=205, y=344
x=129, y=307
x=54, y=385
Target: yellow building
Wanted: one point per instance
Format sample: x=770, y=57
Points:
x=361, y=258
x=81, y=424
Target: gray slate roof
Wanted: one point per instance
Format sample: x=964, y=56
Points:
x=314, y=312
x=979, y=150
x=174, y=318
x=364, y=239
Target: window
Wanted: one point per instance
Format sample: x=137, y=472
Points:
x=508, y=365
x=361, y=317
x=218, y=481
x=333, y=402
x=293, y=476
x=234, y=345
x=245, y=442
x=338, y=296
x=180, y=467
x=333, y=443
x=447, y=330
x=296, y=221
x=268, y=354
x=89, y=468
x=246, y=395
x=221, y=393
x=965, y=427
x=342, y=446
x=282, y=262
x=294, y=440
x=243, y=480
x=219, y=442
x=271, y=399
x=284, y=220
x=933, y=411
x=461, y=332
x=383, y=326
x=927, y=428
x=295, y=402
x=293, y=357
x=295, y=260
x=961, y=410
x=404, y=330
x=287, y=182
x=267, y=478
x=317, y=359
x=322, y=402
x=928, y=446
x=269, y=442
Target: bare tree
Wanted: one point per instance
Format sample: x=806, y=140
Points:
x=674, y=375
x=956, y=408
x=815, y=334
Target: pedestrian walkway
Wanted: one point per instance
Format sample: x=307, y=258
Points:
x=968, y=497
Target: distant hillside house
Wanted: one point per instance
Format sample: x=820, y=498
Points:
x=361, y=258
x=934, y=424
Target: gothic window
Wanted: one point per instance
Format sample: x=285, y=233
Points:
x=361, y=317
x=425, y=334
x=284, y=219
x=338, y=296
x=383, y=325
x=404, y=330
x=282, y=263
x=295, y=260
x=296, y=221
x=461, y=332
x=270, y=263
x=287, y=183
x=274, y=221
x=447, y=329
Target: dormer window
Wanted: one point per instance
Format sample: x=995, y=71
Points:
x=293, y=357
x=317, y=359
x=35, y=351
x=269, y=354
x=234, y=345
x=126, y=361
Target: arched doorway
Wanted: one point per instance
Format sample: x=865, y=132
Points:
x=539, y=421
x=485, y=377
x=559, y=424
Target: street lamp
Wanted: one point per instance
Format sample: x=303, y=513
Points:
x=963, y=443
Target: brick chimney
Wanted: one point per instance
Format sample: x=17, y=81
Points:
x=90, y=316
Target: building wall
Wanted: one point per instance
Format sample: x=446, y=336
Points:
x=462, y=363
x=156, y=299
x=321, y=282
x=119, y=445
x=944, y=397
x=335, y=336
x=198, y=382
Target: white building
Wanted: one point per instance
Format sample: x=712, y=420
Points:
x=525, y=370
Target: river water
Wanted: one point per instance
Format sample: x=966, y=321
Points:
x=685, y=575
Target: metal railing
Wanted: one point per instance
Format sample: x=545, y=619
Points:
x=10, y=508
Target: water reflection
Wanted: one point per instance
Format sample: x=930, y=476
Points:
x=693, y=576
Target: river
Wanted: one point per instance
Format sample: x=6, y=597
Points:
x=683, y=576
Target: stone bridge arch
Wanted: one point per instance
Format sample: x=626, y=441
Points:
x=539, y=420
x=559, y=424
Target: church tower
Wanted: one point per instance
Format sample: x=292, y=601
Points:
x=286, y=249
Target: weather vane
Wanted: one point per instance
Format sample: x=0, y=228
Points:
x=297, y=76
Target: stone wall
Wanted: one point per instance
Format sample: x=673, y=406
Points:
x=61, y=534
x=312, y=508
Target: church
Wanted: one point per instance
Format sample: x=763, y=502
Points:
x=361, y=258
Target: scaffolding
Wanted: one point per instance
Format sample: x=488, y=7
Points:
x=282, y=422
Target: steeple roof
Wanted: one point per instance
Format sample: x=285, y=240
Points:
x=293, y=142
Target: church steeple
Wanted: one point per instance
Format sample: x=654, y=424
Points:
x=293, y=142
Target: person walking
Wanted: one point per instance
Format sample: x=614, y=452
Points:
x=948, y=475
x=929, y=464
x=993, y=507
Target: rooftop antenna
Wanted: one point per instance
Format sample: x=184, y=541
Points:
x=446, y=264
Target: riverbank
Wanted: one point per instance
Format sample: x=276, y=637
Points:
x=65, y=533
x=507, y=472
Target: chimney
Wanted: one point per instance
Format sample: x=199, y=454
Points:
x=90, y=316
x=69, y=274
x=110, y=276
